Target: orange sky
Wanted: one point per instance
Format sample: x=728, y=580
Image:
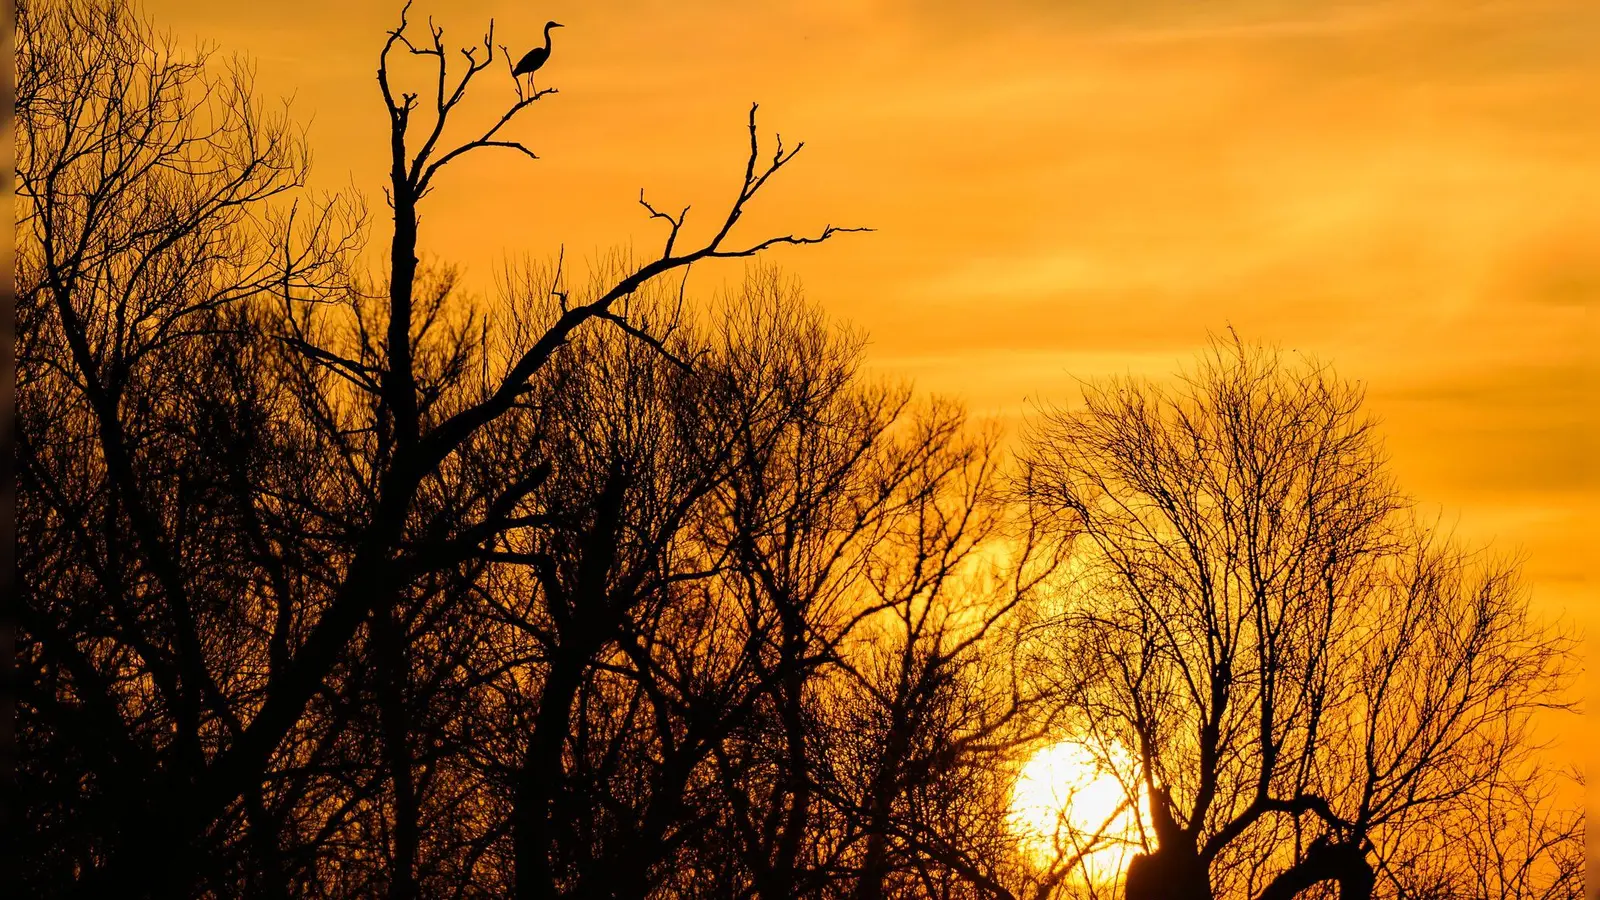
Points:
x=1409, y=188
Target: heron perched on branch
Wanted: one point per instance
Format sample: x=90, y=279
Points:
x=533, y=59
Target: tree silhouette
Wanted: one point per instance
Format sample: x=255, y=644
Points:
x=217, y=423
x=1304, y=672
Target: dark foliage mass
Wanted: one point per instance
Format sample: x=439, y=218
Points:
x=332, y=584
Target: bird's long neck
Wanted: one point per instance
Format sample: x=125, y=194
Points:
x=547, y=38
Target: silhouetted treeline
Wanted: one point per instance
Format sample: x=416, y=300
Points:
x=342, y=584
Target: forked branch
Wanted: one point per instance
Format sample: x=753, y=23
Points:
x=418, y=171
x=444, y=439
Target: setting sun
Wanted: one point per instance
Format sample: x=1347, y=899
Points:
x=1068, y=801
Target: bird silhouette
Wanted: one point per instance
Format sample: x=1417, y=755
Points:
x=533, y=59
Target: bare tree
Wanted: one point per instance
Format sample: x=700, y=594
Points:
x=220, y=429
x=930, y=704
x=1300, y=670
x=148, y=189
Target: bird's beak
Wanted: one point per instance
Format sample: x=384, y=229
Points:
x=557, y=25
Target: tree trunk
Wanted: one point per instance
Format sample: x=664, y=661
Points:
x=542, y=771
x=781, y=879
x=1175, y=870
x=394, y=672
x=875, y=863
x=399, y=381
x=1170, y=873
x=1344, y=863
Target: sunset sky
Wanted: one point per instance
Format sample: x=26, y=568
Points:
x=1408, y=188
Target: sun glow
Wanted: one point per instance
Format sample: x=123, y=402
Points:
x=1070, y=801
